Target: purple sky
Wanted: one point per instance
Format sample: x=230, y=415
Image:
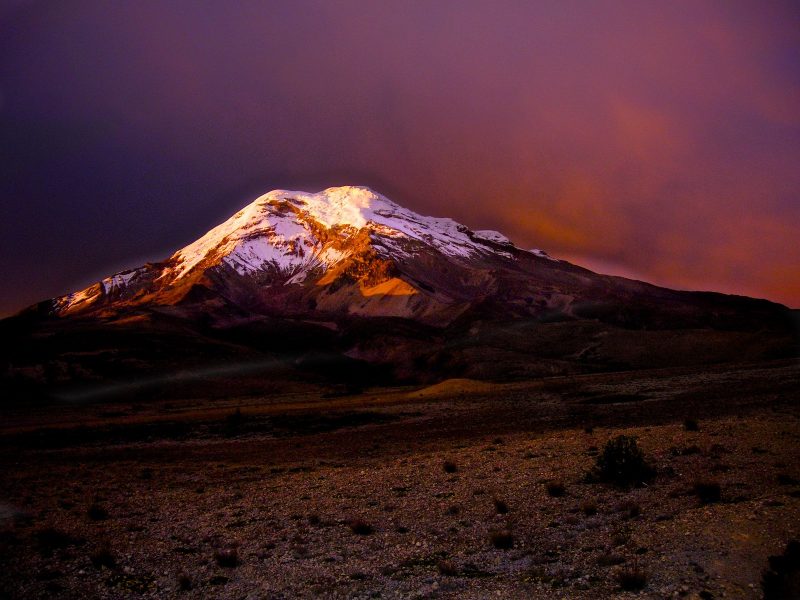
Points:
x=653, y=139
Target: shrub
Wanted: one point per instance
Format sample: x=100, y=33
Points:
x=631, y=579
x=51, y=539
x=447, y=568
x=622, y=463
x=103, y=557
x=500, y=506
x=782, y=578
x=184, y=582
x=226, y=557
x=631, y=508
x=588, y=508
x=502, y=539
x=359, y=527
x=784, y=479
x=233, y=423
x=555, y=489
x=449, y=466
x=707, y=491
x=691, y=425
x=97, y=513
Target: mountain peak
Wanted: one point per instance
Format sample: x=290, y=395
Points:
x=287, y=237
x=344, y=205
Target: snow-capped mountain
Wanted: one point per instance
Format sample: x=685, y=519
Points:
x=345, y=250
x=336, y=280
x=349, y=252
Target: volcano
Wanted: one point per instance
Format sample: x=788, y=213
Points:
x=348, y=274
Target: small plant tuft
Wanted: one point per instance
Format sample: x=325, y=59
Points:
x=630, y=508
x=96, y=512
x=622, y=463
x=555, y=489
x=51, y=539
x=184, y=582
x=103, y=557
x=691, y=425
x=782, y=578
x=447, y=568
x=500, y=506
x=502, y=539
x=449, y=466
x=227, y=557
x=360, y=527
x=707, y=491
x=631, y=579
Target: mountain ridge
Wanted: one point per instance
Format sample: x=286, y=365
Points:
x=347, y=286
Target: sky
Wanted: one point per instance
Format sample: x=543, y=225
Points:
x=656, y=140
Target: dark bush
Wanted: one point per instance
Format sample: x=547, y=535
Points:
x=502, y=539
x=555, y=489
x=227, y=557
x=233, y=423
x=629, y=507
x=691, y=425
x=103, y=557
x=707, y=491
x=97, y=513
x=782, y=579
x=449, y=466
x=51, y=539
x=631, y=579
x=500, y=506
x=447, y=568
x=184, y=582
x=360, y=527
x=622, y=463
x=784, y=479
x=588, y=508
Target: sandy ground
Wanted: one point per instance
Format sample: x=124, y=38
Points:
x=396, y=493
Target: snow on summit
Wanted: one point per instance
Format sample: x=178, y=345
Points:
x=284, y=236
x=279, y=229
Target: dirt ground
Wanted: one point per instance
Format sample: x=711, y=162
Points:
x=407, y=493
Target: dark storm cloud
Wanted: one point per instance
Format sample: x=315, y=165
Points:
x=662, y=139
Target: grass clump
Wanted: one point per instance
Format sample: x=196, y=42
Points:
x=449, y=466
x=50, y=539
x=782, y=578
x=96, y=512
x=631, y=579
x=622, y=463
x=227, y=558
x=500, y=506
x=184, y=582
x=360, y=527
x=447, y=568
x=691, y=425
x=630, y=508
x=708, y=492
x=103, y=557
x=502, y=539
x=555, y=489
